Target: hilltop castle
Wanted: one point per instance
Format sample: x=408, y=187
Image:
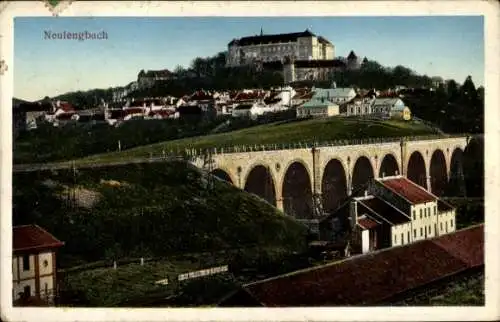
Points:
x=300, y=55
x=276, y=48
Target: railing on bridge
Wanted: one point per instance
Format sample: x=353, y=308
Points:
x=192, y=154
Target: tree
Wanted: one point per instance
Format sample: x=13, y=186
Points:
x=468, y=90
x=452, y=89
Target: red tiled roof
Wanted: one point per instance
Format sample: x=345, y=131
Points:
x=32, y=237
x=374, y=277
x=409, y=190
x=466, y=245
x=367, y=223
x=381, y=208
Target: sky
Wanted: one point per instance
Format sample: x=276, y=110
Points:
x=448, y=46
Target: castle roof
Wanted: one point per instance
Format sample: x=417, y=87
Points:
x=277, y=38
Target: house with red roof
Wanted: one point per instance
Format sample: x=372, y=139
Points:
x=33, y=265
x=396, y=211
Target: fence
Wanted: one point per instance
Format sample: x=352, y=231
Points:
x=303, y=145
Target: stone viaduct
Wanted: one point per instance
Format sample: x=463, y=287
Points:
x=291, y=179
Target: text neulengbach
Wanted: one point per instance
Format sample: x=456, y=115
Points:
x=80, y=36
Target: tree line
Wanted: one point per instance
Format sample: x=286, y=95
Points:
x=452, y=106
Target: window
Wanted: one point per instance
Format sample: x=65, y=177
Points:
x=46, y=288
x=408, y=237
x=420, y=213
x=435, y=229
x=395, y=239
x=441, y=226
x=27, y=290
x=446, y=226
x=435, y=210
x=414, y=215
x=425, y=212
x=414, y=233
x=26, y=262
x=451, y=223
x=421, y=231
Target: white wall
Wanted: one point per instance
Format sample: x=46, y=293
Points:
x=18, y=287
x=28, y=273
x=424, y=224
x=42, y=257
x=447, y=222
x=365, y=241
x=27, y=278
x=399, y=234
x=49, y=280
x=333, y=110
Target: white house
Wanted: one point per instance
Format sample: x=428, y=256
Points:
x=362, y=106
x=33, y=264
x=317, y=108
x=390, y=108
x=251, y=110
x=285, y=96
x=396, y=211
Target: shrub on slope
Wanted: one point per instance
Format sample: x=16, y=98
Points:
x=158, y=210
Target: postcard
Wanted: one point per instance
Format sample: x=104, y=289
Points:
x=249, y=161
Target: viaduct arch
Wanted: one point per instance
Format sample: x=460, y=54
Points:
x=260, y=182
x=333, y=185
x=297, y=191
x=291, y=179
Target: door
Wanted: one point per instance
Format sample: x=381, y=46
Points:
x=27, y=291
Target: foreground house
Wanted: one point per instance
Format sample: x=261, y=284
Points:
x=33, y=265
x=395, y=211
x=378, y=278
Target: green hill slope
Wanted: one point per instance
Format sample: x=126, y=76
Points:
x=147, y=210
x=307, y=131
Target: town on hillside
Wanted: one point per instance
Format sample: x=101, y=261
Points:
x=275, y=174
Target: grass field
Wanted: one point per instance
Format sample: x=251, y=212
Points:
x=306, y=131
x=463, y=291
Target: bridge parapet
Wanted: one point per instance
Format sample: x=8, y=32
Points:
x=310, y=145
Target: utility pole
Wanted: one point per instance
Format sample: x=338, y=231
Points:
x=208, y=166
